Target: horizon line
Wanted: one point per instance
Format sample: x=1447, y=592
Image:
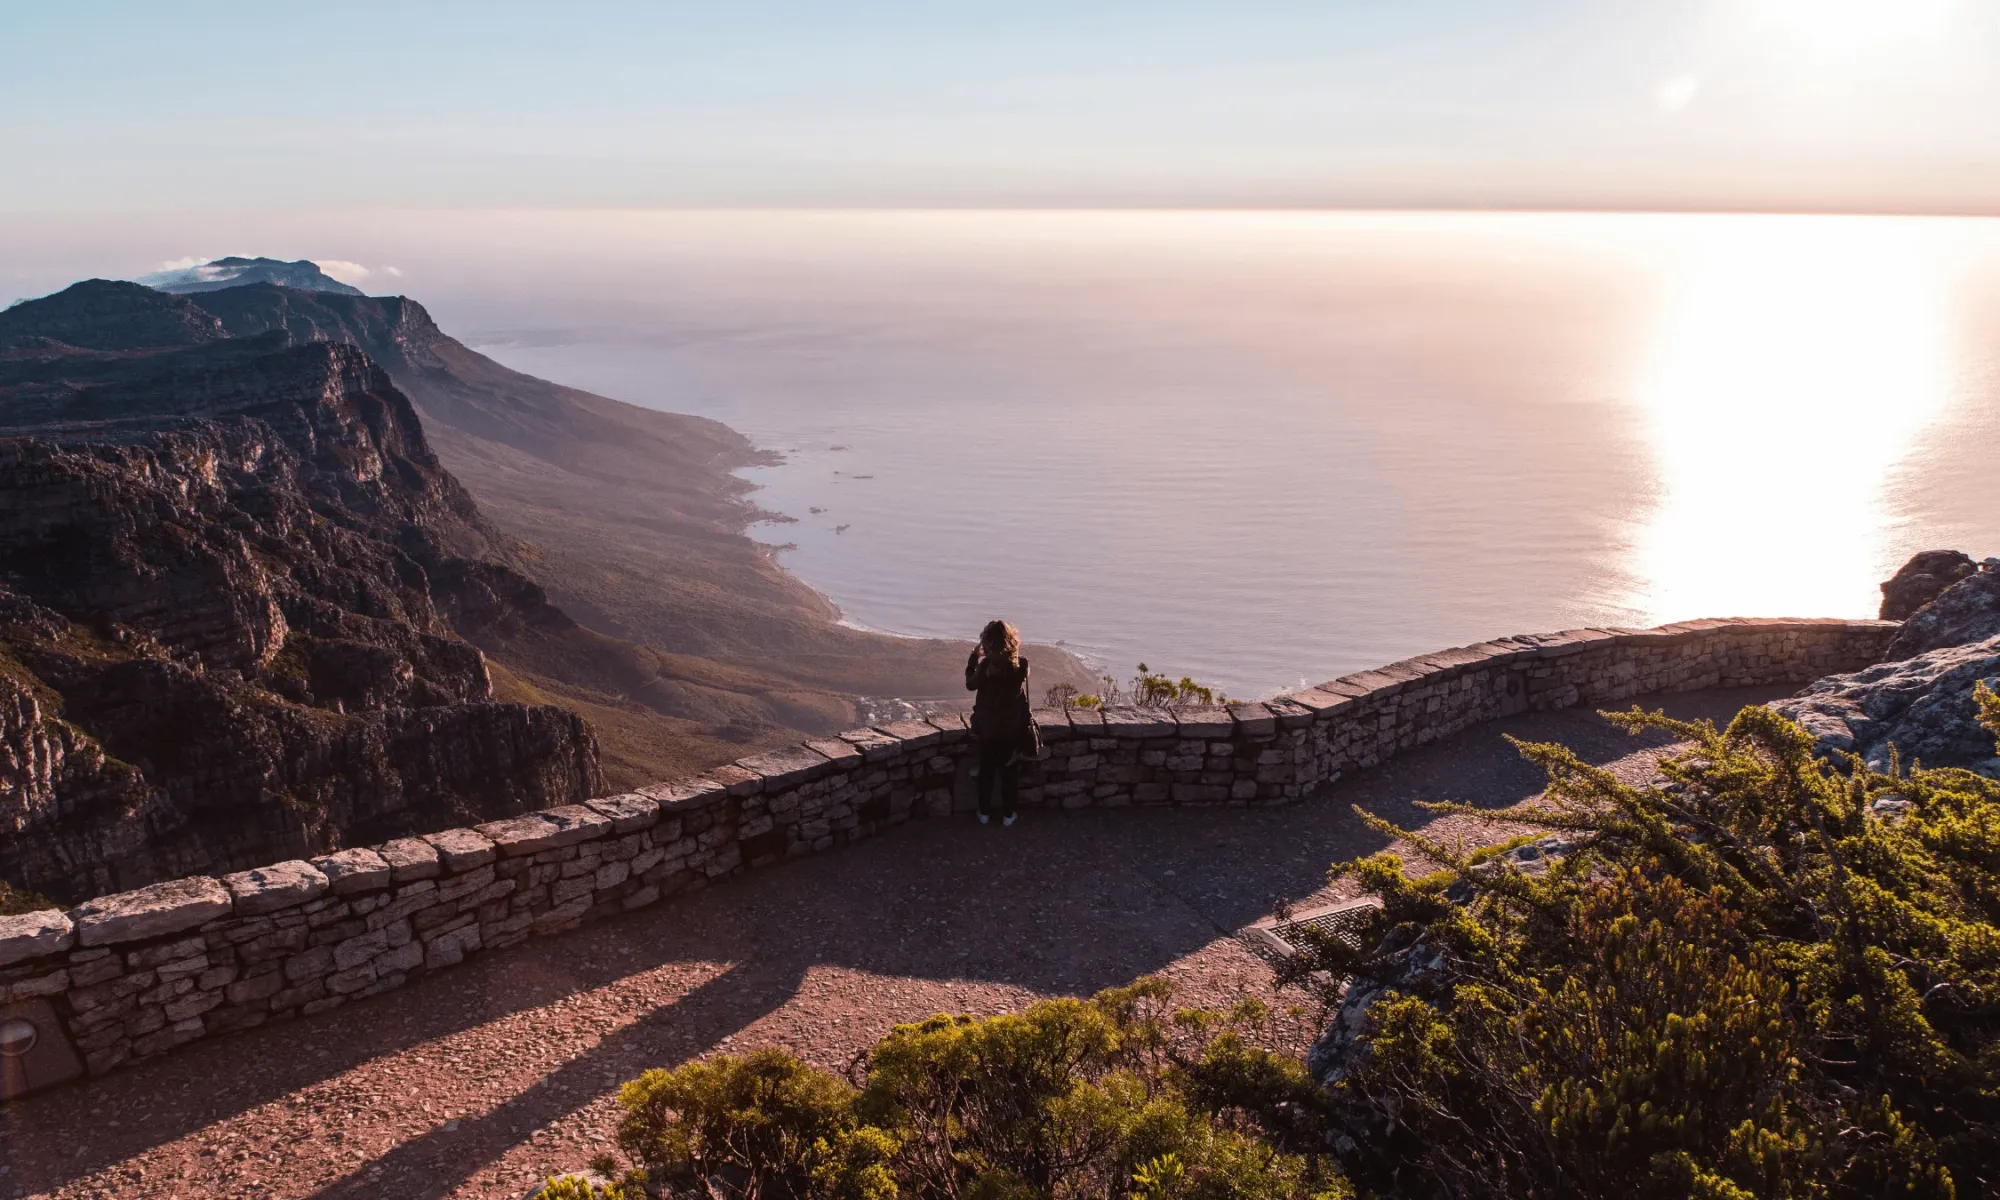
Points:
x=1524, y=208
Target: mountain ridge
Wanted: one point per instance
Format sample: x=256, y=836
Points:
x=225, y=569
x=632, y=517
x=236, y=270
x=287, y=547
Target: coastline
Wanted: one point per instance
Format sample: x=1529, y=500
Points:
x=638, y=524
x=1068, y=663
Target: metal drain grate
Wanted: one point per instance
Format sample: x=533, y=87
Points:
x=1276, y=943
x=1344, y=923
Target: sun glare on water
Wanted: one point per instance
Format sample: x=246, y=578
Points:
x=1796, y=363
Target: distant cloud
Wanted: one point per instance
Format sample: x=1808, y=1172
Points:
x=195, y=268
x=202, y=268
x=1676, y=93
x=346, y=272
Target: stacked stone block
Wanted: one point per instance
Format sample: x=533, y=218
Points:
x=142, y=972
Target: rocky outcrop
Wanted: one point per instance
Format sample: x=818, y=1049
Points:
x=225, y=573
x=1967, y=611
x=1405, y=963
x=105, y=314
x=1923, y=707
x=634, y=522
x=1918, y=702
x=1919, y=581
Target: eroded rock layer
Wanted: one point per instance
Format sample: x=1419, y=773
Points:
x=228, y=572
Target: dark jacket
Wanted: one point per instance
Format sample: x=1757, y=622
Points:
x=1000, y=712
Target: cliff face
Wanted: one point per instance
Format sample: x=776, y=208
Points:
x=635, y=521
x=228, y=571
x=690, y=647
x=468, y=398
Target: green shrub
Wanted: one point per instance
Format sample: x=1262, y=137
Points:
x=766, y=1124
x=1762, y=976
x=1745, y=981
x=1110, y=1097
x=578, y=1187
x=14, y=901
x=1147, y=689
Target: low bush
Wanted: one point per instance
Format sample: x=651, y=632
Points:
x=579, y=1187
x=1111, y=1097
x=1765, y=975
x=1762, y=975
x=14, y=901
x=1148, y=689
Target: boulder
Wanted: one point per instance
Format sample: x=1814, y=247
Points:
x=1919, y=581
x=1410, y=964
x=535, y=832
x=411, y=859
x=1921, y=706
x=464, y=849
x=150, y=912
x=263, y=890
x=34, y=934
x=1529, y=858
x=355, y=870
x=1967, y=611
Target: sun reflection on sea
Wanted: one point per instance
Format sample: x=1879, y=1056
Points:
x=1797, y=361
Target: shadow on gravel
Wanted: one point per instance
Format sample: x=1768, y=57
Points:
x=433, y=1163
x=1061, y=903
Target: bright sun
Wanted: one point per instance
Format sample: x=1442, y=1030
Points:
x=1847, y=28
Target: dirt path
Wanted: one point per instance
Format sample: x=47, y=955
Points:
x=480, y=1081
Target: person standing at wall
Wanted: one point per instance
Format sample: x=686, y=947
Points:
x=1002, y=724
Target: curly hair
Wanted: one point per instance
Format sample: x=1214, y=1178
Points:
x=1001, y=640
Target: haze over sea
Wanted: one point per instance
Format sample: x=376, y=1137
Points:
x=1260, y=448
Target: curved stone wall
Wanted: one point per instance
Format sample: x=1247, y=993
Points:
x=139, y=973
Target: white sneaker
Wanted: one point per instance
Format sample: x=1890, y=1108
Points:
x=982, y=818
x=1008, y=819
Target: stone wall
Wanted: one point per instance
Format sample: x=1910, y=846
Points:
x=139, y=973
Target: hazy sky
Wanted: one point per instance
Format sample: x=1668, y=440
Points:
x=1811, y=103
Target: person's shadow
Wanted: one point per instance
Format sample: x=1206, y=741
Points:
x=1063, y=903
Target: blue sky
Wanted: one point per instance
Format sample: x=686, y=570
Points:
x=1868, y=104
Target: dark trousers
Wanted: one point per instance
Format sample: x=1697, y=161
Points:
x=997, y=765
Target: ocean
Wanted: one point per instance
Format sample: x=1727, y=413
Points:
x=1266, y=448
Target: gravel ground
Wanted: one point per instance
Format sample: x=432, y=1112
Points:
x=480, y=1081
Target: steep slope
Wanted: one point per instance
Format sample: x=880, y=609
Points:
x=631, y=517
x=227, y=597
